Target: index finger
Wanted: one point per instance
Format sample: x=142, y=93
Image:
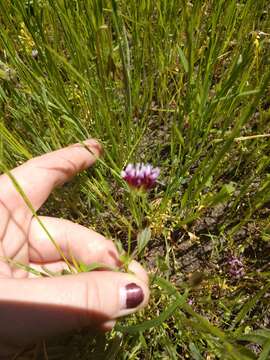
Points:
x=40, y=175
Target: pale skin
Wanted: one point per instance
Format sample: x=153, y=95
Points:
x=31, y=307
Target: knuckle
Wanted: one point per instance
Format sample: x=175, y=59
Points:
x=94, y=300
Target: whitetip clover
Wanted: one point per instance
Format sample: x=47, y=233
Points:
x=140, y=176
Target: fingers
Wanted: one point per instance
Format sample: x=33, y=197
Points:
x=137, y=269
x=54, y=268
x=83, y=244
x=40, y=175
x=36, y=308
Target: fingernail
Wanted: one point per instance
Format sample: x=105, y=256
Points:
x=94, y=145
x=131, y=296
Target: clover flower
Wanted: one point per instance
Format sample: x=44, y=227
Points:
x=34, y=54
x=140, y=176
x=235, y=267
x=190, y=302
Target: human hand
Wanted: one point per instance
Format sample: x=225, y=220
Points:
x=32, y=308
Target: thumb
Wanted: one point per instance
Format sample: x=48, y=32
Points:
x=31, y=309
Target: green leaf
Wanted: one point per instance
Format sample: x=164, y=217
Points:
x=183, y=60
x=24, y=267
x=142, y=239
x=252, y=338
x=13, y=142
x=158, y=320
x=260, y=336
x=250, y=305
x=195, y=352
x=94, y=266
x=265, y=354
x=224, y=194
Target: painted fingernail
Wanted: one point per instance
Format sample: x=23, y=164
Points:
x=132, y=296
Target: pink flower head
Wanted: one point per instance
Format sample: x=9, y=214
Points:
x=190, y=302
x=140, y=176
x=235, y=267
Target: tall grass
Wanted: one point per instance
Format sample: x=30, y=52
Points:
x=183, y=85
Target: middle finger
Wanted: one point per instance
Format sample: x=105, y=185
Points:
x=83, y=244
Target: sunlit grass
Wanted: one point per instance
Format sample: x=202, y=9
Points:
x=181, y=85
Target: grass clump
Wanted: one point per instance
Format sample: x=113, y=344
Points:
x=183, y=85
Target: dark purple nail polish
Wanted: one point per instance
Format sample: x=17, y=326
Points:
x=134, y=295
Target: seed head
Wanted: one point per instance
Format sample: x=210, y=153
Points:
x=140, y=176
